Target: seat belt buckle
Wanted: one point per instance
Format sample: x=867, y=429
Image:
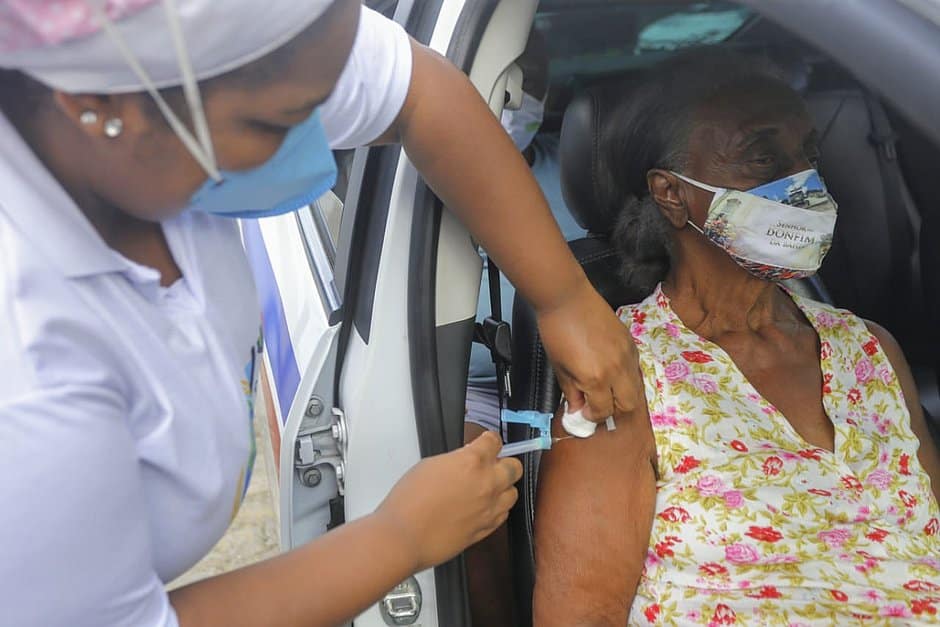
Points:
x=497, y=336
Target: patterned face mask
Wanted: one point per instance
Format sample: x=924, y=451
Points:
x=778, y=231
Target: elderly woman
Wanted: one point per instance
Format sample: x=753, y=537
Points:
x=782, y=470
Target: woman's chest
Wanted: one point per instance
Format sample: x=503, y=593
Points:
x=190, y=352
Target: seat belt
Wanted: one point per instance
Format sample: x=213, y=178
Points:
x=904, y=240
x=496, y=335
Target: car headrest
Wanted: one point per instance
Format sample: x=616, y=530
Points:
x=583, y=182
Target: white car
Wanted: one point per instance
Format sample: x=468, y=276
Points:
x=370, y=295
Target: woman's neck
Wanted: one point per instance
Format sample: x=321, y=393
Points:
x=713, y=295
x=140, y=241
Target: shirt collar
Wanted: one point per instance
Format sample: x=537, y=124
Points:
x=43, y=211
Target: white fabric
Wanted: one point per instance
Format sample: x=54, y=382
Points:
x=221, y=35
x=358, y=110
x=124, y=422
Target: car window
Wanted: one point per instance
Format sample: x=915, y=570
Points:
x=320, y=225
x=385, y=7
x=622, y=36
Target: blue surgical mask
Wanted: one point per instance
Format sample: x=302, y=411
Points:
x=302, y=170
x=523, y=123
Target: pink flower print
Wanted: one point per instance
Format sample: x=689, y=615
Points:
x=932, y=562
x=834, y=538
x=787, y=455
x=706, y=385
x=694, y=616
x=879, y=478
x=741, y=553
x=662, y=420
x=733, y=499
x=854, y=396
x=884, y=457
x=864, y=371
x=863, y=514
x=867, y=566
x=898, y=610
x=826, y=320
x=676, y=371
x=637, y=330
x=885, y=375
x=672, y=330
x=873, y=595
x=825, y=350
x=710, y=485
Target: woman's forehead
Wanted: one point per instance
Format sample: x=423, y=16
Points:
x=744, y=113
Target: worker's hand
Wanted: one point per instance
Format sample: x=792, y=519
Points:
x=593, y=354
x=448, y=502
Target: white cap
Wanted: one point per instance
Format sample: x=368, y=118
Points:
x=60, y=42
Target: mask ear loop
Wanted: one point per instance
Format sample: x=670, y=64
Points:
x=206, y=159
x=700, y=185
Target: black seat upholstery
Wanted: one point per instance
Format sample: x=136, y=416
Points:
x=875, y=265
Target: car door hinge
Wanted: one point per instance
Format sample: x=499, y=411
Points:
x=324, y=445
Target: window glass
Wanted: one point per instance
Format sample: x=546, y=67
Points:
x=613, y=37
x=385, y=7
x=320, y=225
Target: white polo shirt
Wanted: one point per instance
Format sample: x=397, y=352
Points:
x=125, y=422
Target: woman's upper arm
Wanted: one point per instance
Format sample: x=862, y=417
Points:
x=928, y=454
x=594, y=511
x=74, y=522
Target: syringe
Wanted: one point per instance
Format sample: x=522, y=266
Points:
x=535, y=420
x=526, y=446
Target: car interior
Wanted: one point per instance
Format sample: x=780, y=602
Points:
x=884, y=264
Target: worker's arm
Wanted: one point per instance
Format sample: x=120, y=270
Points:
x=82, y=554
x=440, y=507
x=470, y=162
x=594, y=512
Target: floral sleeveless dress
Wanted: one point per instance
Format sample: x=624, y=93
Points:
x=753, y=526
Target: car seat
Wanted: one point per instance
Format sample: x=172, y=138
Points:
x=533, y=382
x=874, y=267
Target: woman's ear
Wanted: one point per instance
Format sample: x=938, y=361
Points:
x=667, y=193
x=101, y=116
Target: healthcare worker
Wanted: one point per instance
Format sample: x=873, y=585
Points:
x=132, y=131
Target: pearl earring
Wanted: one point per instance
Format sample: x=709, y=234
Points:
x=113, y=127
x=88, y=117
